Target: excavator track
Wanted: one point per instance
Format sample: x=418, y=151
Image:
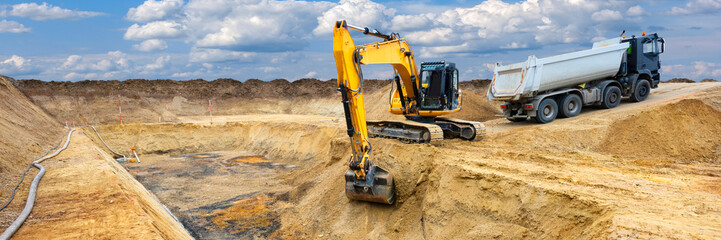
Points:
x=478, y=127
x=406, y=130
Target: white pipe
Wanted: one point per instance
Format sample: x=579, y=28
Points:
x=106, y=145
x=33, y=190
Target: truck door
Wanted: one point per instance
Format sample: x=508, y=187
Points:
x=651, y=51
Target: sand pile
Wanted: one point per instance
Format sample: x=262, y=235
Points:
x=679, y=80
x=26, y=132
x=686, y=131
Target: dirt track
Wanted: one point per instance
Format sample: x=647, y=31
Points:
x=642, y=170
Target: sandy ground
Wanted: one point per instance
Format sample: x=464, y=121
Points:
x=642, y=170
x=85, y=193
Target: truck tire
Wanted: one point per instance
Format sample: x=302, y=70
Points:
x=571, y=105
x=611, y=97
x=641, y=91
x=547, y=111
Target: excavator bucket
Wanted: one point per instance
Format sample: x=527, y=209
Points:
x=377, y=187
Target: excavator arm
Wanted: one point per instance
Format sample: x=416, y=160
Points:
x=364, y=180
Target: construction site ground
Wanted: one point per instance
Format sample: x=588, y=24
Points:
x=641, y=170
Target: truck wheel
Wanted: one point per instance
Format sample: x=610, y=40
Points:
x=516, y=119
x=570, y=106
x=547, y=111
x=641, y=91
x=611, y=97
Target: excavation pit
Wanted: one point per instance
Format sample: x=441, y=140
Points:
x=221, y=192
x=217, y=195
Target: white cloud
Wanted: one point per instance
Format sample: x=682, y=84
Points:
x=635, y=11
x=71, y=61
x=696, y=71
x=412, y=22
x=488, y=26
x=80, y=76
x=606, y=15
x=181, y=75
x=697, y=7
x=310, y=74
x=269, y=69
x=151, y=30
x=363, y=13
x=433, y=36
x=14, y=61
x=238, y=25
x=218, y=55
x=151, y=45
x=154, y=10
x=514, y=45
x=12, y=27
x=46, y=11
x=159, y=63
x=16, y=65
x=112, y=61
x=707, y=69
x=264, y=26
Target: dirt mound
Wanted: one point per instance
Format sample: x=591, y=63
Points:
x=476, y=107
x=709, y=80
x=152, y=101
x=478, y=86
x=686, y=131
x=26, y=133
x=679, y=80
x=165, y=100
x=191, y=89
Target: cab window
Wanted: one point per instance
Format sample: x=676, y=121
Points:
x=650, y=47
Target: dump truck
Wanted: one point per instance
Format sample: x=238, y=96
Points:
x=542, y=89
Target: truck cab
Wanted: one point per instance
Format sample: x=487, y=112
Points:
x=642, y=60
x=439, y=86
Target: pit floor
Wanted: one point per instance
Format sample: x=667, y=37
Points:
x=217, y=195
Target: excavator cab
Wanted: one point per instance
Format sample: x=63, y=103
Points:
x=439, y=86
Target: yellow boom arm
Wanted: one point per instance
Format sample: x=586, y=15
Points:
x=364, y=181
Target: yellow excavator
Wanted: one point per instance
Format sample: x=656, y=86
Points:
x=420, y=97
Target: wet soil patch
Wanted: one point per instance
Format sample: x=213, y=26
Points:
x=248, y=216
x=218, y=195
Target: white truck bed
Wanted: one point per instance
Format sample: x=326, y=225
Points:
x=525, y=79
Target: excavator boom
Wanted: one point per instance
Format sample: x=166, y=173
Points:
x=364, y=181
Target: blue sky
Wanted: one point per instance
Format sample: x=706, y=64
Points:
x=242, y=39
